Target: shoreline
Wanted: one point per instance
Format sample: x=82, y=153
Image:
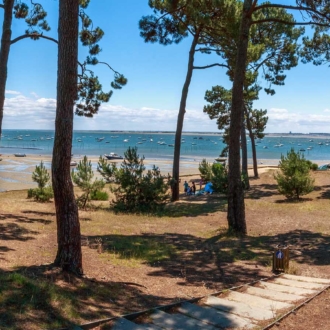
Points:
x=16, y=172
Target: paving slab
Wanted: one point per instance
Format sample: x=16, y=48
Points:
x=287, y=289
x=178, y=322
x=124, y=324
x=307, y=279
x=299, y=284
x=216, y=317
x=276, y=295
x=252, y=300
x=240, y=308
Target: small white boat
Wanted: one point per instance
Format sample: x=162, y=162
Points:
x=73, y=163
x=126, y=140
x=100, y=139
x=20, y=155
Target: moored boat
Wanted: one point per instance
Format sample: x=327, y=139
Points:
x=112, y=156
x=20, y=155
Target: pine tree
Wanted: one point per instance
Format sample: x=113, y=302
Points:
x=41, y=176
x=318, y=14
x=82, y=177
x=294, y=180
x=36, y=23
x=172, y=22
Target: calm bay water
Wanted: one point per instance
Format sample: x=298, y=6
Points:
x=195, y=146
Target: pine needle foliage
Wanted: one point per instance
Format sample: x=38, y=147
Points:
x=44, y=192
x=83, y=177
x=90, y=91
x=136, y=190
x=294, y=180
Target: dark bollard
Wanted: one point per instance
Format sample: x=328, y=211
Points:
x=281, y=259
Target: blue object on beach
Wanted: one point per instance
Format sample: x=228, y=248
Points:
x=208, y=188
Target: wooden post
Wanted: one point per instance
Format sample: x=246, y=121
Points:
x=281, y=259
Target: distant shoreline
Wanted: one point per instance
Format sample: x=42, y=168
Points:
x=315, y=135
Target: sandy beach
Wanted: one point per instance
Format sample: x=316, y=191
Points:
x=16, y=172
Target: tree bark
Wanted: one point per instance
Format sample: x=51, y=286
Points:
x=244, y=154
x=4, y=53
x=236, y=207
x=69, y=255
x=179, y=125
x=253, y=143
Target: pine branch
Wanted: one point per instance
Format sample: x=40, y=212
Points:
x=32, y=36
x=112, y=69
x=289, y=23
x=300, y=8
x=206, y=49
x=211, y=65
x=2, y=6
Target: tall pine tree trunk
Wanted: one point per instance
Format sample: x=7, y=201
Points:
x=236, y=207
x=69, y=255
x=4, y=53
x=253, y=145
x=179, y=125
x=244, y=155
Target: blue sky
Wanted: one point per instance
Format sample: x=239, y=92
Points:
x=155, y=73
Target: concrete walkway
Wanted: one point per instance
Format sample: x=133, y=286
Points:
x=234, y=309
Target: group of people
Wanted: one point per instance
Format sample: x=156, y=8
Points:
x=189, y=190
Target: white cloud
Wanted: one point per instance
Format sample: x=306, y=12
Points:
x=274, y=110
x=25, y=112
x=12, y=92
x=39, y=113
x=35, y=95
x=326, y=110
x=281, y=120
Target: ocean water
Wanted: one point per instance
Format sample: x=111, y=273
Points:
x=195, y=146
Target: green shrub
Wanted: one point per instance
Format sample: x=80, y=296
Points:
x=99, y=195
x=135, y=191
x=205, y=170
x=219, y=178
x=294, y=179
x=82, y=177
x=30, y=193
x=44, y=192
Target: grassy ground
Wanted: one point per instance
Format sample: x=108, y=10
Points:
x=134, y=262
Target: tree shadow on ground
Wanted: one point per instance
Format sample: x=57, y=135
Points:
x=325, y=192
x=195, y=206
x=10, y=230
x=23, y=219
x=261, y=191
x=45, y=297
x=40, y=213
x=218, y=262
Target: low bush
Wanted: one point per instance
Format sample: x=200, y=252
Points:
x=82, y=177
x=99, y=195
x=44, y=192
x=135, y=190
x=294, y=179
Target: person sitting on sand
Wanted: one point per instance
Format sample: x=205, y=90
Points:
x=189, y=190
x=185, y=187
